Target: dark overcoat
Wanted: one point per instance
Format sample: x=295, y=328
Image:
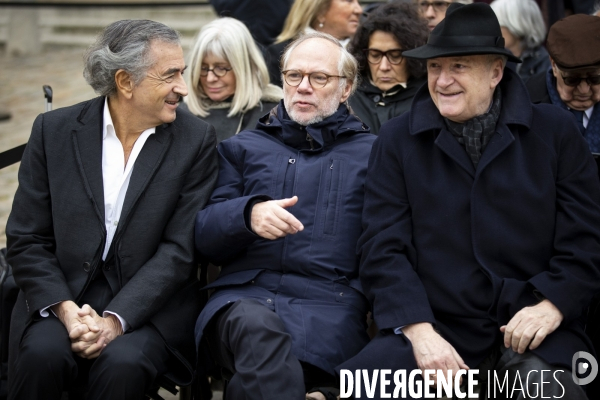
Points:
x=314, y=272
x=466, y=248
x=56, y=231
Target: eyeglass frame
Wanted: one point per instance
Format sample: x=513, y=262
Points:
x=579, y=79
x=284, y=73
x=227, y=69
x=435, y=4
x=383, y=54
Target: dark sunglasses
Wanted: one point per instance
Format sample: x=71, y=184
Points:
x=574, y=81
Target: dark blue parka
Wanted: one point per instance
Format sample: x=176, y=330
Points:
x=309, y=279
x=466, y=248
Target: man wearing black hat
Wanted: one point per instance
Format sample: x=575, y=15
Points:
x=573, y=82
x=481, y=239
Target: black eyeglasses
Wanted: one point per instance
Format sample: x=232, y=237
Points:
x=574, y=81
x=293, y=77
x=374, y=56
x=438, y=6
x=218, y=71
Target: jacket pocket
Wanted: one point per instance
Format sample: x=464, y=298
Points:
x=332, y=195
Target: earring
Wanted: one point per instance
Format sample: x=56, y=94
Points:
x=321, y=25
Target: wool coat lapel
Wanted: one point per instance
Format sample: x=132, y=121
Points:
x=146, y=164
x=87, y=144
x=449, y=145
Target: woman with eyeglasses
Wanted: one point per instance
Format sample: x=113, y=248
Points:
x=339, y=18
x=228, y=81
x=389, y=81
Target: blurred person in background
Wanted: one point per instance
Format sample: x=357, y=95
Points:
x=435, y=11
x=264, y=18
x=389, y=81
x=228, y=79
x=339, y=18
x=524, y=32
x=573, y=82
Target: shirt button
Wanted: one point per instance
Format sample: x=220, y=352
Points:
x=116, y=223
x=86, y=266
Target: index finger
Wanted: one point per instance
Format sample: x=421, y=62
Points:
x=289, y=219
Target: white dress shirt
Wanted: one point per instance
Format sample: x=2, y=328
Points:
x=115, y=176
x=587, y=115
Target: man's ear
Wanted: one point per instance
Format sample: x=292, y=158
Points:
x=346, y=91
x=554, y=68
x=124, y=83
x=497, y=72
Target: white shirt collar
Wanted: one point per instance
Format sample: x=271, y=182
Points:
x=108, y=122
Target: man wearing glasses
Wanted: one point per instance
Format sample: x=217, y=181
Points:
x=435, y=11
x=573, y=82
x=283, y=223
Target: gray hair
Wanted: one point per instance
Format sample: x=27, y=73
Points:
x=491, y=59
x=523, y=18
x=230, y=39
x=123, y=45
x=347, y=64
x=596, y=9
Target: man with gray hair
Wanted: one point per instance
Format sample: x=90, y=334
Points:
x=283, y=223
x=100, y=236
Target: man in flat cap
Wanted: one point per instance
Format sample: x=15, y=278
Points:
x=481, y=239
x=573, y=82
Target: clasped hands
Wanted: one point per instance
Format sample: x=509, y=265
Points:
x=525, y=330
x=89, y=332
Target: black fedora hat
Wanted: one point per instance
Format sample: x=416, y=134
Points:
x=466, y=30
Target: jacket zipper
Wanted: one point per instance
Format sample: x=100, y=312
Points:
x=311, y=141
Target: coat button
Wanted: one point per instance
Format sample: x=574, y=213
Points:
x=269, y=301
x=86, y=266
x=107, y=267
x=376, y=98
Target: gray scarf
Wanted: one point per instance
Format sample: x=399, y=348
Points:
x=476, y=133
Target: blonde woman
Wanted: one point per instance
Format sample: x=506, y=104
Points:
x=339, y=18
x=228, y=81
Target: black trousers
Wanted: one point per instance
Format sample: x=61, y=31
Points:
x=532, y=371
x=250, y=343
x=125, y=369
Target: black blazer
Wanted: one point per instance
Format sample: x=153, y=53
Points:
x=56, y=232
